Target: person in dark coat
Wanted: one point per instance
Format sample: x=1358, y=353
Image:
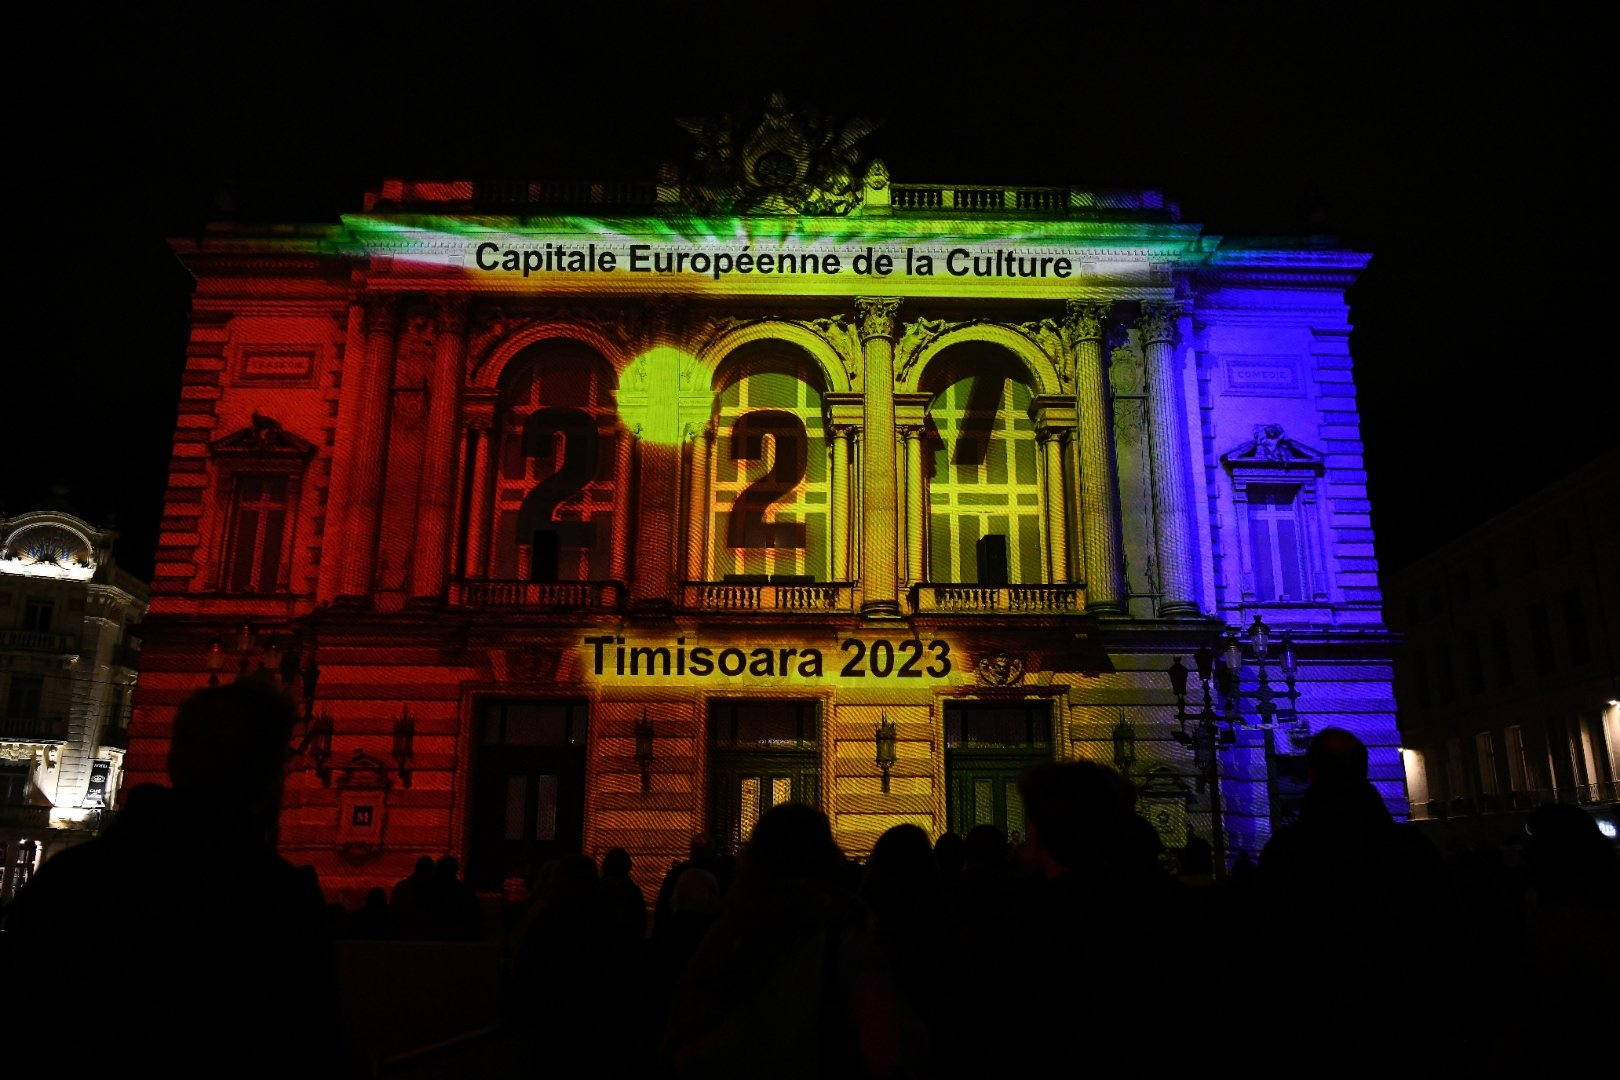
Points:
x=220, y=949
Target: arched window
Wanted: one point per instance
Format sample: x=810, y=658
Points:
x=554, y=487
x=980, y=468
x=769, y=497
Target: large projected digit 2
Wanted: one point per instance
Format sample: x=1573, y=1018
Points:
x=748, y=528
x=577, y=468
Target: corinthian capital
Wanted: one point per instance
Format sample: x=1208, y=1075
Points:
x=1158, y=323
x=452, y=316
x=382, y=314
x=877, y=315
x=1085, y=318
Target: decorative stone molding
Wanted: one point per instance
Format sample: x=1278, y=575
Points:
x=877, y=315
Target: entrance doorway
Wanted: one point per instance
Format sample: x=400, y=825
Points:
x=528, y=801
x=988, y=744
x=761, y=754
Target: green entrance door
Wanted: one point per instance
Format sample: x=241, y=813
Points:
x=988, y=745
x=528, y=801
x=761, y=754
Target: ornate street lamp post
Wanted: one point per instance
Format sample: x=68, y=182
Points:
x=1224, y=702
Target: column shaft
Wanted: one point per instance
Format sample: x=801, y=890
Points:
x=1168, y=459
x=916, y=508
x=433, y=509
x=697, y=505
x=1057, y=530
x=371, y=444
x=619, y=557
x=478, y=507
x=840, y=504
x=1099, y=530
x=880, y=520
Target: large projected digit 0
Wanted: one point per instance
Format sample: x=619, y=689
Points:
x=577, y=468
x=748, y=528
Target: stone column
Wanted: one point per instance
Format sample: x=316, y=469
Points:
x=840, y=503
x=1173, y=533
x=916, y=509
x=697, y=503
x=433, y=509
x=333, y=533
x=1057, y=529
x=880, y=520
x=479, y=508
x=1099, y=530
x=624, y=448
x=370, y=446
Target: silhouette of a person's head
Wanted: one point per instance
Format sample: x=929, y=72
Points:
x=1336, y=758
x=616, y=863
x=793, y=841
x=230, y=745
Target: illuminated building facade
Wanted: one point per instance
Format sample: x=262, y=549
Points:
x=1509, y=672
x=613, y=513
x=69, y=621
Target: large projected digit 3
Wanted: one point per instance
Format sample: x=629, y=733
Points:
x=577, y=468
x=748, y=528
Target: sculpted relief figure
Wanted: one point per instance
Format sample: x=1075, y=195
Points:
x=840, y=332
x=913, y=339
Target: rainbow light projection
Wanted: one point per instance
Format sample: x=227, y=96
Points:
x=646, y=520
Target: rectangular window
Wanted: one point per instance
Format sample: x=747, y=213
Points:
x=1420, y=678
x=1541, y=639
x=1485, y=752
x=1473, y=663
x=1279, y=550
x=1456, y=786
x=1518, y=765
x=39, y=612
x=23, y=699
x=13, y=783
x=258, y=520
x=1444, y=678
x=1502, y=652
x=1580, y=645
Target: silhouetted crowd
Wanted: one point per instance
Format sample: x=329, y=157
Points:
x=1349, y=948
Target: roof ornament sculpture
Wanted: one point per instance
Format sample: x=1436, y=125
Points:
x=788, y=163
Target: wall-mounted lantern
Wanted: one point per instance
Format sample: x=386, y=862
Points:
x=404, y=745
x=644, y=750
x=886, y=736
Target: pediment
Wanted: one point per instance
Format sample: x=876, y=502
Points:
x=1271, y=448
x=264, y=437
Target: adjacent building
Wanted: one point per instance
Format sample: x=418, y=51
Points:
x=69, y=644
x=583, y=516
x=1509, y=675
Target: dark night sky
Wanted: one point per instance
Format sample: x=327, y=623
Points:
x=1454, y=142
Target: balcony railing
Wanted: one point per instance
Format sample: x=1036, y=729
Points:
x=538, y=595
x=998, y=599
x=37, y=817
x=39, y=641
x=33, y=728
x=764, y=596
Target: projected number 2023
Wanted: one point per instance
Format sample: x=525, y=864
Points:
x=909, y=659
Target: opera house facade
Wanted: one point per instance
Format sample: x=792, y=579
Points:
x=590, y=516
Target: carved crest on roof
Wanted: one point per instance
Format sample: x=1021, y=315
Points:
x=264, y=437
x=782, y=162
x=1272, y=449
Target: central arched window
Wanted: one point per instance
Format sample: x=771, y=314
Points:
x=980, y=469
x=769, y=498
x=554, y=490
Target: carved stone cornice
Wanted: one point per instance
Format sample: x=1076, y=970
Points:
x=1086, y=318
x=1158, y=323
x=877, y=315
